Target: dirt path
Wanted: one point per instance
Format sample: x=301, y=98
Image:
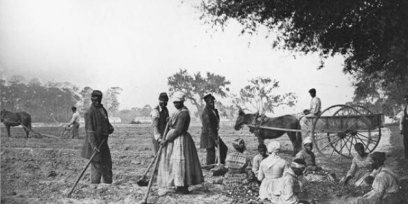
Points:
x=42, y=170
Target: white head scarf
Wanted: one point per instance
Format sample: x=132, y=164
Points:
x=179, y=96
x=307, y=140
x=273, y=146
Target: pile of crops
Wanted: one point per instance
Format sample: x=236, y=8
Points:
x=245, y=193
x=327, y=190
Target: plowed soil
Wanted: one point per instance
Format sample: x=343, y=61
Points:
x=43, y=170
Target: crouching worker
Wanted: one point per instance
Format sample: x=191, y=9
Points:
x=238, y=165
x=256, y=161
x=290, y=188
x=270, y=172
x=359, y=169
x=313, y=171
x=385, y=187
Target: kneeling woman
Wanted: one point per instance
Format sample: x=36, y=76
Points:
x=237, y=164
x=270, y=171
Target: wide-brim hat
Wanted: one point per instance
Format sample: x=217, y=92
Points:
x=208, y=96
x=96, y=93
x=163, y=97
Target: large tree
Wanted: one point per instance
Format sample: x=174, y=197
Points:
x=196, y=86
x=372, y=35
x=261, y=94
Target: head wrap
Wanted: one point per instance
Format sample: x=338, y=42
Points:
x=298, y=163
x=379, y=156
x=239, y=144
x=273, y=146
x=307, y=140
x=208, y=96
x=96, y=94
x=163, y=97
x=179, y=96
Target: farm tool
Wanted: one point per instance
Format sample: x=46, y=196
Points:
x=141, y=181
x=86, y=167
x=218, y=169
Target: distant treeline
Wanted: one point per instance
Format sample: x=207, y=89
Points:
x=52, y=101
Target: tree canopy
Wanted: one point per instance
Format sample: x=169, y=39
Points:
x=196, y=86
x=260, y=94
x=371, y=34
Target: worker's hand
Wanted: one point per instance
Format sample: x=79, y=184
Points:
x=68, y=125
x=163, y=142
x=96, y=149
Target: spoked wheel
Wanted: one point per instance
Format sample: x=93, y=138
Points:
x=339, y=128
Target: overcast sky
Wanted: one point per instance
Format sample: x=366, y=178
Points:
x=137, y=45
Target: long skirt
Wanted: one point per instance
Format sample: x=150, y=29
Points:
x=179, y=164
x=270, y=188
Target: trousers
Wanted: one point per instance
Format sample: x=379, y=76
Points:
x=211, y=153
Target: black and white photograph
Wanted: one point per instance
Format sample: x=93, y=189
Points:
x=204, y=101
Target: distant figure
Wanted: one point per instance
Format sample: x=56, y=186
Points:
x=74, y=122
x=179, y=164
x=15, y=119
x=159, y=115
x=404, y=126
x=98, y=128
x=385, y=187
x=314, y=110
x=359, y=169
x=209, y=131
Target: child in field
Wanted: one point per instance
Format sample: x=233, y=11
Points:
x=256, y=161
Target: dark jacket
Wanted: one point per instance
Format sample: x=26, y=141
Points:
x=209, y=131
x=97, y=128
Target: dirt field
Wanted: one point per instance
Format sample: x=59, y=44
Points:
x=43, y=170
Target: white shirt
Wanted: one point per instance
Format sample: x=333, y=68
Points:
x=315, y=105
x=75, y=118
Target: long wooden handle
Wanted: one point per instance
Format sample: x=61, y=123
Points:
x=86, y=167
x=219, y=151
x=150, y=165
x=156, y=163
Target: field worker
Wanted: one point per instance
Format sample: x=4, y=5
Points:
x=404, y=126
x=74, y=122
x=237, y=164
x=270, y=171
x=256, y=161
x=98, y=128
x=159, y=115
x=313, y=171
x=290, y=188
x=359, y=169
x=385, y=187
x=314, y=110
x=209, y=132
x=179, y=164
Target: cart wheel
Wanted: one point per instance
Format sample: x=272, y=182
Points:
x=363, y=110
x=339, y=128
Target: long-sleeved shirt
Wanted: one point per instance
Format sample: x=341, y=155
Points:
x=315, y=105
x=385, y=183
x=256, y=162
x=75, y=118
x=290, y=187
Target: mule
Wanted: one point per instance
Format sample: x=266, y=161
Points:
x=285, y=121
x=15, y=119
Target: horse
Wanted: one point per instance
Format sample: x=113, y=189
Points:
x=15, y=119
x=285, y=121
